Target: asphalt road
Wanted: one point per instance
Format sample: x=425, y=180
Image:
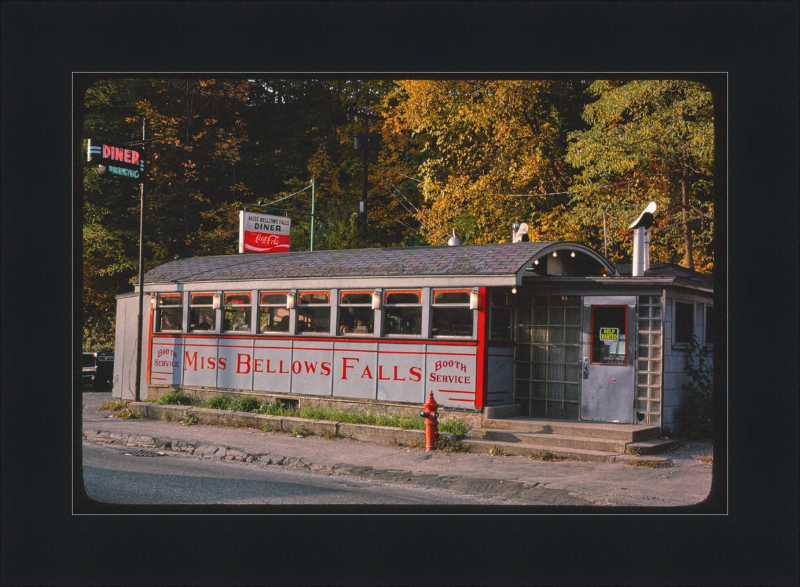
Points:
x=346, y=465
x=118, y=476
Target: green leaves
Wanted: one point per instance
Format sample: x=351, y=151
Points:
x=647, y=140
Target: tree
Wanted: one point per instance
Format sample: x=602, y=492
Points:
x=489, y=146
x=647, y=140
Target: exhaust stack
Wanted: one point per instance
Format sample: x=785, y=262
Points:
x=641, y=240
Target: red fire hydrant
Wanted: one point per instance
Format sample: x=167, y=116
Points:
x=431, y=422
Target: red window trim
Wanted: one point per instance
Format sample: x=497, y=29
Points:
x=196, y=295
x=466, y=291
x=170, y=295
x=239, y=293
x=398, y=291
x=591, y=338
x=342, y=293
x=261, y=295
x=327, y=294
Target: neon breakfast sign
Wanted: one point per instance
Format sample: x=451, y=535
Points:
x=119, y=161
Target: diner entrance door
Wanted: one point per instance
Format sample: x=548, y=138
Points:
x=608, y=359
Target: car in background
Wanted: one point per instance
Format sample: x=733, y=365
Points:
x=98, y=369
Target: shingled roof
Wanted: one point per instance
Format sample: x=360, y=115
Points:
x=668, y=270
x=489, y=260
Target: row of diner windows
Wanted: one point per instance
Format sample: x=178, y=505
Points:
x=401, y=312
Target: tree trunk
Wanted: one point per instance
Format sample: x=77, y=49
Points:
x=687, y=234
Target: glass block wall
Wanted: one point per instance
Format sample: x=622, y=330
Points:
x=649, y=369
x=547, y=356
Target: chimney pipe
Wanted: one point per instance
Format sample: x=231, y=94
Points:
x=641, y=240
x=641, y=251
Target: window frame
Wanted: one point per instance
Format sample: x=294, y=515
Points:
x=214, y=326
x=300, y=305
x=509, y=309
x=367, y=304
x=690, y=305
x=283, y=305
x=455, y=305
x=386, y=306
x=592, y=340
x=229, y=306
x=708, y=339
x=160, y=308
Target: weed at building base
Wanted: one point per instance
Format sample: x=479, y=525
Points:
x=300, y=432
x=189, y=419
x=128, y=414
x=112, y=406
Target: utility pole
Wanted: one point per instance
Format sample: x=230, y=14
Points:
x=136, y=393
x=313, y=209
x=364, y=141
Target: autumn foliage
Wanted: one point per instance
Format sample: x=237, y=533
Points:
x=470, y=156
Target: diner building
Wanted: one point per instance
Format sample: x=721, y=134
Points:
x=538, y=329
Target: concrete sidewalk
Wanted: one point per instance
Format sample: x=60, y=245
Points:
x=510, y=480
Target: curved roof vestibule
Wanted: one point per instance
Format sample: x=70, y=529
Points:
x=490, y=264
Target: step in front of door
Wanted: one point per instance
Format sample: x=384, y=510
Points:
x=626, y=432
x=541, y=453
x=610, y=445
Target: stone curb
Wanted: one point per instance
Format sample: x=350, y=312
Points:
x=469, y=485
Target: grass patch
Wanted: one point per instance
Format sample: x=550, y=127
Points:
x=245, y=403
x=634, y=450
x=455, y=426
x=128, y=414
x=189, y=419
x=251, y=404
x=112, y=406
x=176, y=398
x=650, y=463
x=218, y=402
x=301, y=431
x=169, y=417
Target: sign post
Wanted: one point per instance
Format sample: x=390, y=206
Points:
x=126, y=163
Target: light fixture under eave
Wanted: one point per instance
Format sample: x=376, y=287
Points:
x=474, y=298
x=572, y=254
x=514, y=289
x=555, y=253
x=536, y=261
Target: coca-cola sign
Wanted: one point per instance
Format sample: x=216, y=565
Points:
x=261, y=233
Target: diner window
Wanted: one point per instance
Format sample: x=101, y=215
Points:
x=170, y=313
x=402, y=312
x=314, y=312
x=237, y=312
x=202, y=314
x=684, y=323
x=356, y=315
x=501, y=308
x=273, y=315
x=450, y=313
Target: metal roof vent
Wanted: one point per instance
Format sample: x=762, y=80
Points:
x=519, y=233
x=454, y=241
